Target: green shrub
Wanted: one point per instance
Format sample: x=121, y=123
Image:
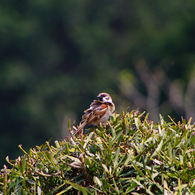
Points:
x=127, y=156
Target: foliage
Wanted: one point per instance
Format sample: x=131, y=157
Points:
x=129, y=155
x=56, y=56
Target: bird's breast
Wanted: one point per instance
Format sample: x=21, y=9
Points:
x=105, y=117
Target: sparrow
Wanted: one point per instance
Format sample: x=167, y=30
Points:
x=100, y=110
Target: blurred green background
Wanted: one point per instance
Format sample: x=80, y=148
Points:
x=56, y=56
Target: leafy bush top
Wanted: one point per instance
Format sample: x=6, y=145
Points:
x=126, y=156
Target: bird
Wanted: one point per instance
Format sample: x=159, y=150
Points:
x=99, y=112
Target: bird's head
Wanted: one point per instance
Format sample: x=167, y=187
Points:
x=104, y=97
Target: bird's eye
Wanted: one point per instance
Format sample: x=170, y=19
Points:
x=100, y=98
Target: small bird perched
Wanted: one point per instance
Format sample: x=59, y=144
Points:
x=100, y=110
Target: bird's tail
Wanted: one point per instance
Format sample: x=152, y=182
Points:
x=81, y=126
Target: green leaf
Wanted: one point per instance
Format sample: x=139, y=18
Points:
x=148, y=191
x=63, y=191
x=78, y=187
x=116, y=158
x=105, y=168
x=116, y=137
x=158, y=149
x=97, y=181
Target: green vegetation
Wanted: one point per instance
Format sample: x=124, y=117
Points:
x=129, y=155
x=57, y=55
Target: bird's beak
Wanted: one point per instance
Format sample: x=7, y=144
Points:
x=99, y=97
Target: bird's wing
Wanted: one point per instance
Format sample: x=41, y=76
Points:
x=94, y=104
x=97, y=113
